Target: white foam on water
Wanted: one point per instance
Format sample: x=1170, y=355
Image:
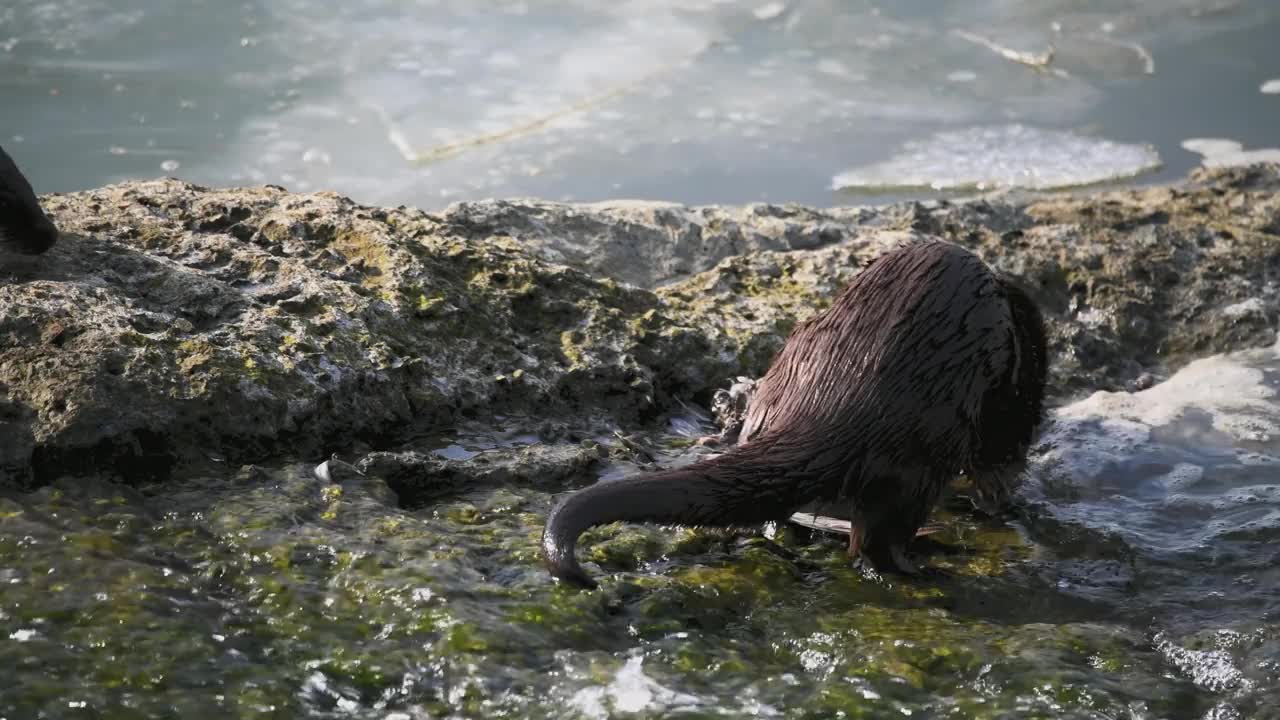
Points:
x=630, y=691
x=24, y=635
x=1178, y=467
x=1002, y=156
x=1213, y=670
x=1240, y=402
x=1270, y=87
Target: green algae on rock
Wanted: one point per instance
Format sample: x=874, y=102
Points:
x=249, y=594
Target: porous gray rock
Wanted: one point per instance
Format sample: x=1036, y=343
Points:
x=176, y=324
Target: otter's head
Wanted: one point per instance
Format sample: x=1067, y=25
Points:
x=24, y=227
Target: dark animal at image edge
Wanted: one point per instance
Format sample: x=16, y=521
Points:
x=927, y=364
x=24, y=227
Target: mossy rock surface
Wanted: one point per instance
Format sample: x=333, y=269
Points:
x=174, y=323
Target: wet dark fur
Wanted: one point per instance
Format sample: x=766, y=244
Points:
x=926, y=365
x=24, y=227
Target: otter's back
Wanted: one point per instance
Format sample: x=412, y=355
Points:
x=898, y=365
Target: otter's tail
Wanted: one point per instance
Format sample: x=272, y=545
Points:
x=751, y=483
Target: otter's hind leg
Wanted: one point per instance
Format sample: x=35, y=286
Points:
x=885, y=557
x=889, y=549
x=890, y=520
x=857, y=536
x=878, y=541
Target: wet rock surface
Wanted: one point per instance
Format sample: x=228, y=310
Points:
x=300, y=451
x=174, y=323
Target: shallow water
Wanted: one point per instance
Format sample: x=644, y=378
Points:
x=1139, y=579
x=431, y=101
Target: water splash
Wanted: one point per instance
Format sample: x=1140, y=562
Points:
x=1185, y=467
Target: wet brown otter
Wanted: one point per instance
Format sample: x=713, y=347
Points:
x=927, y=364
x=24, y=227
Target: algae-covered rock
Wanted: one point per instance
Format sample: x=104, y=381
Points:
x=1131, y=282
x=178, y=323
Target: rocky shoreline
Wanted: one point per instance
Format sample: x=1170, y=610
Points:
x=174, y=324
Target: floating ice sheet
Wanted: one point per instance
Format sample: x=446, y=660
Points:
x=430, y=101
x=1220, y=152
x=1003, y=156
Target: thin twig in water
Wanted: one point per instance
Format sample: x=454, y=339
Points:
x=825, y=523
x=822, y=523
x=441, y=152
x=1039, y=62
